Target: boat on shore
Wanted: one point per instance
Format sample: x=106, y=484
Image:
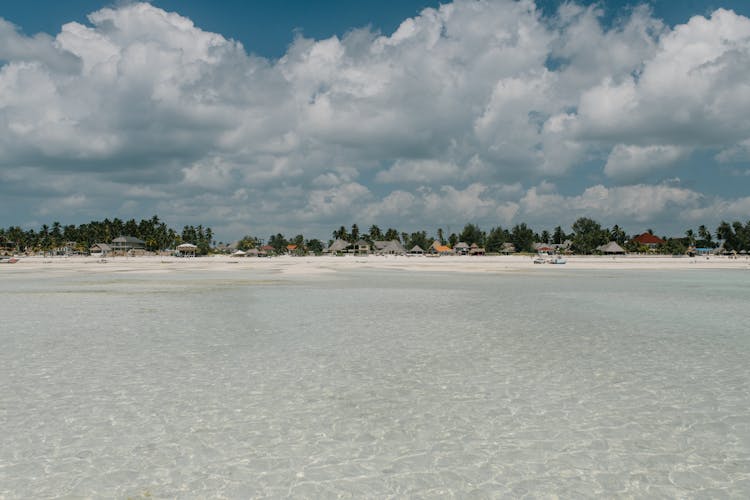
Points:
x=8, y=260
x=558, y=260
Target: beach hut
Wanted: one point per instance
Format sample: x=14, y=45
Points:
x=416, y=250
x=439, y=249
x=612, y=248
x=338, y=246
x=253, y=252
x=476, y=250
x=100, y=249
x=187, y=250
x=461, y=248
x=392, y=247
x=239, y=253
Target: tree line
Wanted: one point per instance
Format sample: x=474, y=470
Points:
x=154, y=232
x=585, y=236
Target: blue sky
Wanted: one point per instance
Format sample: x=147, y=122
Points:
x=332, y=113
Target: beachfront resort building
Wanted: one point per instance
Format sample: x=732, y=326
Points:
x=385, y=247
x=338, y=246
x=440, y=249
x=650, y=240
x=127, y=244
x=100, y=249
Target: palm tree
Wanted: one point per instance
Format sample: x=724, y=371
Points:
x=690, y=235
x=704, y=234
x=375, y=233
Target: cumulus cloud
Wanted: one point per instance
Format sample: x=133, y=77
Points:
x=475, y=110
x=630, y=161
x=419, y=171
x=638, y=203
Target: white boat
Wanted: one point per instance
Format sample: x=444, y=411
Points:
x=539, y=260
x=558, y=260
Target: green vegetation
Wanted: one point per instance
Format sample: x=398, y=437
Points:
x=70, y=238
x=586, y=236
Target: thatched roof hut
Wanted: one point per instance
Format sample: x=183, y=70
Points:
x=187, y=249
x=338, y=246
x=611, y=248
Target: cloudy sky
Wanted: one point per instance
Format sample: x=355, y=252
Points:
x=259, y=117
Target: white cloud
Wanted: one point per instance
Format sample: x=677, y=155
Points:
x=455, y=114
x=419, y=171
x=720, y=209
x=630, y=161
x=640, y=202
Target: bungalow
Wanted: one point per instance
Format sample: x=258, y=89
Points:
x=440, y=249
x=461, y=248
x=416, y=250
x=508, y=248
x=476, y=250
x=649, y=240
x=127, y=244
x=266, y=250
x=392, y=247
x=290, y=249
x=7, y=246
x=361, y=247
x=100, y=249
x=338, y=246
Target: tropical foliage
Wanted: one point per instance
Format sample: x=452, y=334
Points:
x=585, y=237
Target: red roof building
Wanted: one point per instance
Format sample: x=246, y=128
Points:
x=649, y=240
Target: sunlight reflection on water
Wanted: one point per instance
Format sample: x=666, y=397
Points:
x=372, y=383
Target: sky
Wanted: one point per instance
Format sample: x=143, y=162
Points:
x=296, y=117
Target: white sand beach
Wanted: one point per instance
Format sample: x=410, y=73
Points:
x=311, y=265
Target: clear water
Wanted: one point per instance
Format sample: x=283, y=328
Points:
x=375, y=384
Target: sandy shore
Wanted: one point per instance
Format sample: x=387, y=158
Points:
x=320, y=265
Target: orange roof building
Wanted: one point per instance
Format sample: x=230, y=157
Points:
x=649, y=240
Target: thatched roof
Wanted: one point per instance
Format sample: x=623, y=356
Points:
x=611, y=247
x=101, y=246
x=416, y=249
x=338, y=246
x=394, y=247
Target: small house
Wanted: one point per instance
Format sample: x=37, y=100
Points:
x=100, y=249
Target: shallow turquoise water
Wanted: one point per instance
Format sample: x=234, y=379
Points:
x=375, y=384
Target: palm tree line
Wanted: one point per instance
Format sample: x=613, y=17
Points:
x=585, y=237
x=154, y=232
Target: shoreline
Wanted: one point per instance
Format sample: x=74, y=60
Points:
x=312, y=265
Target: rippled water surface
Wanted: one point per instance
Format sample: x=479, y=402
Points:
x=582, y=384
